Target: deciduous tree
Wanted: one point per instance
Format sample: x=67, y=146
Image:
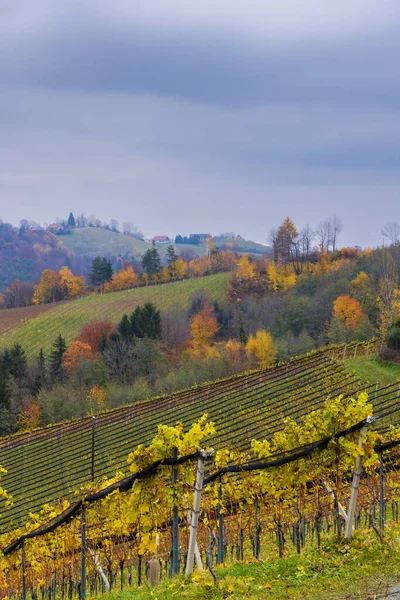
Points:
x=75, y=354
x=349, y=311
x=95, y=334
x=260, y=349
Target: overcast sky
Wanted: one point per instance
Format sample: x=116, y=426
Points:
x=202, y=115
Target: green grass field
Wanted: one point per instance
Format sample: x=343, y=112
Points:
x=359, y=570
x=92, y=242
x=373, y=370
x=68, y=318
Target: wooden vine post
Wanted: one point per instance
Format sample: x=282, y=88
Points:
x=23, y=568
x=175, y=519
x=83, y=553
x=356, y=483
x=220, y=554
x=196, y=509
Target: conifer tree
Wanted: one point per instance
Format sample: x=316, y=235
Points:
x=146, y=322
x=56, y=358
x=101, y=272
x=171, y=254
x=71, y=221
x=125, y=327
x=151, y=261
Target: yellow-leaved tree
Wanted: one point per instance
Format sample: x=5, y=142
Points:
x=260, y=349
x=246, y=270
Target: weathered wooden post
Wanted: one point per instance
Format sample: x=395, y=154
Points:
x=83, y=552
x=23, y=569
x=256, y=542
x=355, y=483
x=221, y=550
x=175, y=519
x=93, y=445
x=196, y=509
x=381, y=493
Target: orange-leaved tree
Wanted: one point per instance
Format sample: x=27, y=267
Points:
x=349, y=311
x=30, y=413
x=260, y=349
x=96, y=333
x=203, y=326
x=76, y=352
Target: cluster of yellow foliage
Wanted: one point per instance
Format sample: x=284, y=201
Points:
x=55, y=286
x=260, y=349
x=281, y=277
x=122, y=280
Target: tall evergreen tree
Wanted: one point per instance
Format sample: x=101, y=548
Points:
x=125, y=327
x=40, y=373
x=151, y=261
x=146, y=322
x=171, y=254
x=4, y=392
x=18, y=366
x=101, y=272
x=71, y=221
x=56, y=357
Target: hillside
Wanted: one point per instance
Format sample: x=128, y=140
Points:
x=90, y=242
x=251, y=405
x=67, y=318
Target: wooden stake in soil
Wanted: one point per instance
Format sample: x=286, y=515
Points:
x=355, y=485
x=196, y=509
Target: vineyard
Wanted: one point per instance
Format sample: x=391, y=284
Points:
x=68, y=318
x=106, y=515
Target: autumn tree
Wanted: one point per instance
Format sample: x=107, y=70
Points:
x=71, y=286
x=349, y=311
x=280, y=278
x=122, y=280
x=203, y=326
x=284, y=241
x=29, y=414
x=48, y=289
x=260, y=349
x=96, y=334
x=75, y=354
x=54, y=286
x=96, y=398
x=178, y=269
x=246, y=269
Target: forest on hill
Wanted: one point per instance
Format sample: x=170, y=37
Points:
x=27, y=250
x=113, y=347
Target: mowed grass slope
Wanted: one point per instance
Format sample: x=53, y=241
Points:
x=373, y=370
x=68, y=318
x=92, y=242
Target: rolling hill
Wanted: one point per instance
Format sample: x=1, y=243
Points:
x=90, y=242
x=243, y=407
x=68, y=318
